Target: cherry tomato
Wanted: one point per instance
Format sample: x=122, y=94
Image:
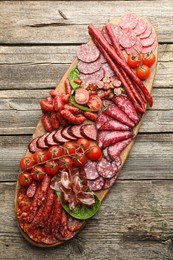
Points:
x=133, y=60
x=95, y=153
x=83, y=143
x=143, y=72
x=81, y=96
x=26, y=162
x=54, y=151
x=51, y=167
x=38, y=173
x=69, y=147
x=65, y=163
x=25, y=178
x=40, y=156
x=148, y=59
x=95, y=102
x=80, y=159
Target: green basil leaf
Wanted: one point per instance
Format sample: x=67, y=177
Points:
x=74, y=73
x=81, y=212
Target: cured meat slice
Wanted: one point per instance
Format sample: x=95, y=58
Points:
x=140, y=27
x=74, y=224
x=57, y=137
x=102, y=59
x=129, y=21
x=113, y=124
x=49, y=139
x=33, y=145
x=115, y=149
x=127, y=38
x=115, y=167
x=96, y=184
x=100, y=137
x=107, y=70
x=101, y=119
x=106, y=35
x=127, y=107
x=41, y=142
x=55, y=183
x=115, y=29
x=115, y=137
x=86, y=198
x=147, y=32
x=88, y=53
x=105, y=168
x=89, y=68
x=75, y=131
x=106, y=155
x=109, y=182
x=66, y=180
x=89, y=131
x=90, y=170
x=119, y=115
x=118, y=162
x=150, y=48
x=92, y=78
x=148, y=41
x=136, y=49
x=66, y=134
x=31, y=190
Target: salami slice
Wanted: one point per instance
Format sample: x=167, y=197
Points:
x=114, y=167
x=106, y=35
x=136, y=49
x=118, y=162
x=109, y=182
x=106, y=155
x=89, y=68
x=127, y=38
x=115, y=149
x=59, y=138
x=75, y=131
x=107, y=70
x=140, y=27
x=100, y=137
x=101, y=119
x=105, y=168
x=89, y=131
x=66, y=134
x=115, y=137
x=41, y=142
x=102, y=59
x=92, y=78
x=148, y=41
x=112, y=124
x=96, y=184
x=150, y=48
x=129, y=21
x=88, y=53
x=75, y=224
x=147, y=32
x=33, y=145
x=49, y=139
x=90, y=170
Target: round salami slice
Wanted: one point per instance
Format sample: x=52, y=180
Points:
x=150, y=48
x=105, y=169
x=115, y=29
x=102, y=59
x=106, y=155
x=92, y=78
x=136, y=49
x=127, y=38
x=129, y=21
x=41, y=142
x=108, y=71
x=33, y=145
x=90, y=170
x=57, y=137
x=75, y=131
x=147, y=32
x=88, y=53
x=148, y=41
x=118, y=162
x=140, y=27
x=114, y=167
x=89, y=68
x=106, y=35
x=109, y=182
x=96, y=184
x=49, y=139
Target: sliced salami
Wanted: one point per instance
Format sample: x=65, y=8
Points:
x=114, y=167
x=106, y=36
x=118, y=162
x=106, y=155
x=115, y=149
x=59, y=138
x=107, y=70
x=148, y=41
x=101, y=136
x=109, y=182
x=127, y=38
x=115, y=29
x=101, y=119
x=129, y=21
x=89, y=68
x=33, y=145
x=115, y=137
x=90, y=170
x=92, y=78
x=147, y=32
x=136, y=49
x=105, y=169
x=140, y=27
x=66, y=134
x=88, y=53
x=96, y=184
x=41, y=142
x=75, y=131
x=113, y=124
x=89, y=131
x=49, y=139
x=150, y=48
x=102, y=59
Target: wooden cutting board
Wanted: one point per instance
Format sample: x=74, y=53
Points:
x=39, y=130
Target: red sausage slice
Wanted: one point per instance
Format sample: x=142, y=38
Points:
x=66, y=135
x=90, y=170
x=33, y=145
x=88, y=53
x=59, y=138
x=109, y=182
x=88, y=68
x=41, y=142
x=105, y=169
x=129, y=21
x=49, y=139
x=96, y=184
x=89, y=131
x=75, y=131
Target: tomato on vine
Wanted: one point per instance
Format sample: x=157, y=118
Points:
x=148, y=59
x=40, y=156
x=83, y=144
x=51, y=167
x=65, y=163
x=38, y=173
x=80, y=159
x=69, y=148
x=143, y=72
x=54, y=152
x=95, y=153
x=25, y=178
x=134, y=60
x=26, y=162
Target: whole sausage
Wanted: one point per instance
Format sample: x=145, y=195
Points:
x=46, y=122
x=90, y=115
x=54, y=120
x=68, y=87
x=45, y=106
x=61, y=119
x=56, y=221
x=72, y=109
x=58, y=102
x=78, y=119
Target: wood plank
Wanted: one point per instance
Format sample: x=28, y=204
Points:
x=24, y=23
x=41, y=67
x=134, y=222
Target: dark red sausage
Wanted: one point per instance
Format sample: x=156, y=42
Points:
x=90, y=115
x=46, y=123
x=76, y=120
x=72, y=109
x=56, y=221
x=68, y=87
x=45, y=106
x=58, y=103
x=61, y=119
x=54, y=120
x=44, y=186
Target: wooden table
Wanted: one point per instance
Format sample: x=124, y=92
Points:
x=38, y=41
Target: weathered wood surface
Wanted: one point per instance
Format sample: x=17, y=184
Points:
x=36, y=47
